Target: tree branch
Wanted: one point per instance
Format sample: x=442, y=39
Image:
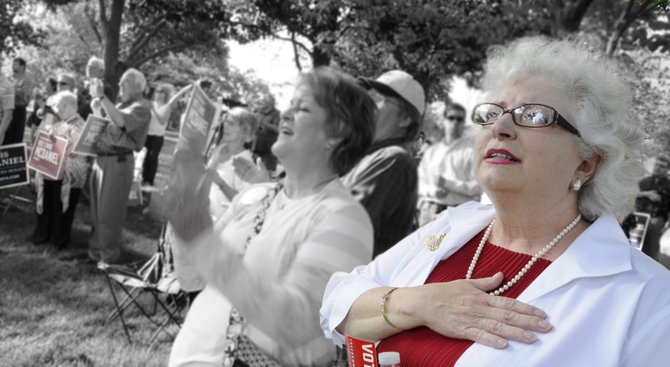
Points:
x=294, y=41
x=141, y=41
x=164, y=50
x=262, y=30
x=620, y=26
x=296, y=55
x=103, y=13
x=77, y=29
x=94, y=27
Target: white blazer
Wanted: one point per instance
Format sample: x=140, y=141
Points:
x=609, y=304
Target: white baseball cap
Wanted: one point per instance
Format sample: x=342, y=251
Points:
x=398, y=82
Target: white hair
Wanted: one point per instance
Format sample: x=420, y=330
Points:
x=601, y=103
x=67, y=97
x=96, y=61
x=246, y=119
x=137, y=78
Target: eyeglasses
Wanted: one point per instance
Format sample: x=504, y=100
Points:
x=456, y=118
x=62, y=83
x=527, y=115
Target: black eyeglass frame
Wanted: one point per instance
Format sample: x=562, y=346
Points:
x=455, y=118
x=558, y=119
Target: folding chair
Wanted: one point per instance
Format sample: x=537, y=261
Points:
x=15, y=199
x=155, y=277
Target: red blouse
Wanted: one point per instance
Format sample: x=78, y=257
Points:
x=424, y=347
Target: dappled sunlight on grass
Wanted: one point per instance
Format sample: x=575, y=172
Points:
x=54, y=304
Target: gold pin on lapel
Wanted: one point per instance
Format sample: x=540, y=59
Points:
x=432, y=242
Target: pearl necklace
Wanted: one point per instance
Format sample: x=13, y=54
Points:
x=530, y=263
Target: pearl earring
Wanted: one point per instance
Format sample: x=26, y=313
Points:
x=577, y=185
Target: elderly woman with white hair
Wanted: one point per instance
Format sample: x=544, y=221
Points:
x=57, y=199
x=113, y=168
x=557, y=153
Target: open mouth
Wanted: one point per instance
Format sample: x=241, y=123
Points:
x=500, y=154
x=283, y=129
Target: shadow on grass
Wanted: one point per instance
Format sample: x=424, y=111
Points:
x=54, y=304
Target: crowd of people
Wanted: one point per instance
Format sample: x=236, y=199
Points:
x=295, y=229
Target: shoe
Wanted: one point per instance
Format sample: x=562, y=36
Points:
x=149, y=188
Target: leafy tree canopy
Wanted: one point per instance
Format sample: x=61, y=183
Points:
x=15, y=31
x=435, y=39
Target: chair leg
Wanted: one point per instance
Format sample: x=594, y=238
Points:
x=161, y=328
x=165, y=308
x=140, y=307
x=116, y=302
x=127, y=301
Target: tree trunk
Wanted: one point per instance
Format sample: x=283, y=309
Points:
x=568, y=15
x=613, y=40
x=111, y=29
x=423, y=77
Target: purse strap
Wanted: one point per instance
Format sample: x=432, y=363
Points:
x=259, y=219
x=236, y=322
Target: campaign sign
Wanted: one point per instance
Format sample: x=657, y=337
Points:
x=13, y=165
x=89, y=135
x=199, y=116
x=48, y=155
x=361, y=353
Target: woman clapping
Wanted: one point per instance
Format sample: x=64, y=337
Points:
x=268, y=261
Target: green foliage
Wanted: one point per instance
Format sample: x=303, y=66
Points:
x=650, y=73
x=185, y=67
x=153, y=28
x=15, y=32
x=430, y=39
x=60, y=50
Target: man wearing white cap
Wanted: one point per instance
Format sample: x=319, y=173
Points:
x=385, y=181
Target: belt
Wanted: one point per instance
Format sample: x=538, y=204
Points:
x=114, y=154
x=120, y=155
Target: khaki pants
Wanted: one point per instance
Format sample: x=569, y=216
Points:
x=111, y=177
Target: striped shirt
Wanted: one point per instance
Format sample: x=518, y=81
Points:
x=277, y=284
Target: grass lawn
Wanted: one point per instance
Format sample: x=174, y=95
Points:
x=53, y=304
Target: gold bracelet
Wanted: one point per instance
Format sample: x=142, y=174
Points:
x=383, y=307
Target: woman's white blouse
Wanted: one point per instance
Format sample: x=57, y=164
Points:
x=609, y=304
